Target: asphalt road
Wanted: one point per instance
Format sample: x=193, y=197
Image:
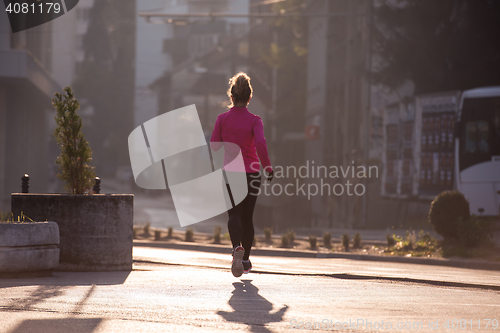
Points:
x=340, y=268
x=184, y=291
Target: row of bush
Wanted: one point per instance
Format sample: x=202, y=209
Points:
x=449, y=215
x=287, y=239
x=327, y=241
x=147, y=232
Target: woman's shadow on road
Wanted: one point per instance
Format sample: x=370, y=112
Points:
x=250, y=308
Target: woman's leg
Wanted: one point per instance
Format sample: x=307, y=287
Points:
x=234, y=224
x=248, y=206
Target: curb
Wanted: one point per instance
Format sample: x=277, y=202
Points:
x=214, y=248
x=27, y=275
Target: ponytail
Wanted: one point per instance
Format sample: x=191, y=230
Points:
x=240, y=90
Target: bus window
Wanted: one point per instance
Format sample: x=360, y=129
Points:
x=470, y=137
x=476, y=137
x=479, y=131
x=483, y=134
x=496, y=127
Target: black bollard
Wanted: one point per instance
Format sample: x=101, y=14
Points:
x=97, y=186
x=25, y=185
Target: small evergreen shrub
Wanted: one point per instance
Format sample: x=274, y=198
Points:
x=170, y=232
x=327, y=240
x=157, y=235
x=313, y=242
x=356, y=241
x=390, y=240
x=345, y=241
x=268, y=232
x=285, y=240
x=445, y=211
x=189, y=236
x=217, y=235
x=74, y=169
x=147, y=228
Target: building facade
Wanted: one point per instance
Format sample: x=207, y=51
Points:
x=26, y=89
x=185, y=60
x=337, y=102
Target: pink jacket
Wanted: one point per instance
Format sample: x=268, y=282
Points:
x=245, y=129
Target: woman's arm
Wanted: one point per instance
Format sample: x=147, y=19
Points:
x=261, y=145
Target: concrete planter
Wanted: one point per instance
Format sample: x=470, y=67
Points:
x=28, y=247
x=95, y=230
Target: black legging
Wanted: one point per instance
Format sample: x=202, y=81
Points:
x=240, y=222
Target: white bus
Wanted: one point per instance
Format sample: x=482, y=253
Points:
x=477, y=150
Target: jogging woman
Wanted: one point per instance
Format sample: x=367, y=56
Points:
x=245, y=129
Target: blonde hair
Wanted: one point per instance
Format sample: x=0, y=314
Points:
x=240, y=90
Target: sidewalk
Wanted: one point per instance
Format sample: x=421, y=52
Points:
x=291, y=253
x=340, y=268
x=192, y=291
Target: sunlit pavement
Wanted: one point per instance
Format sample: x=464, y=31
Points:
x=195, y=292
x=345, y=268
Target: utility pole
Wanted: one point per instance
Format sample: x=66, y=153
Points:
x=366, y=152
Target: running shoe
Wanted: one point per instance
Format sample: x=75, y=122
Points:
x=237, y=264
x=247, y=266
